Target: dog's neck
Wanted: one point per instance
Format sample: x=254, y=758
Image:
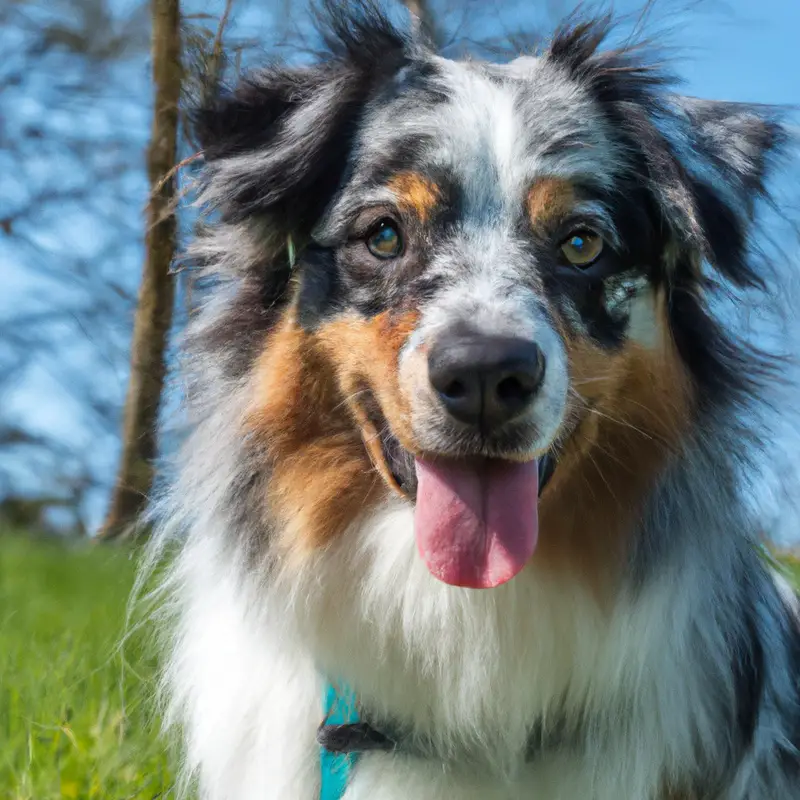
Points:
x=357, y=735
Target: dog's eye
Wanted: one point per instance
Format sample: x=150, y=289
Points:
x=582, y=248
x=384, y=241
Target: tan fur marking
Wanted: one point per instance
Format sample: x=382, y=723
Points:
x=308, y=415
x=415, y=194
x=367, y=353
x=321, y=475
x=549, y=200
x=633, y=407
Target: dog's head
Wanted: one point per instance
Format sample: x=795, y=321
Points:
x=471, y=284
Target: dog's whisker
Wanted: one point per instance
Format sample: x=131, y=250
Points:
x=350, y=398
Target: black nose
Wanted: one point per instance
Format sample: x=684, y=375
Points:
x=485, y=380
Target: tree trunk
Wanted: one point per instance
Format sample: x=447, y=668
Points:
x=153, y=317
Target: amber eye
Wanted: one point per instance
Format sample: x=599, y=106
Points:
x=384, y=241
x=582, y=248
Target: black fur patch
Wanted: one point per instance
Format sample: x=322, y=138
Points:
x=320, y=288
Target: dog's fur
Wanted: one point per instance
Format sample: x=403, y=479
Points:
x=646, y=650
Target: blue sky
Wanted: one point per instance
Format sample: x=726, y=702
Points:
x=725, y=49
x=748, y=53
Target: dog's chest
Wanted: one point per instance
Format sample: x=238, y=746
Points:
x=457, y=665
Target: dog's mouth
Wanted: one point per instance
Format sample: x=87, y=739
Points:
x=475, y=518
x=401, y=465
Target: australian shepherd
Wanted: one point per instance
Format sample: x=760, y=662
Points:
x=467, y=438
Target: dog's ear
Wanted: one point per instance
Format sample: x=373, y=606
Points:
x=708, y=170
x=277, y=145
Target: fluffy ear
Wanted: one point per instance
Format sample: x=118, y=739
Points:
x=720, y=159
x=707, y=164
x=278, y=143
x=708, y=174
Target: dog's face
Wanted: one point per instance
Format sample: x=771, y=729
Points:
x=482, y=249
x=486, y=276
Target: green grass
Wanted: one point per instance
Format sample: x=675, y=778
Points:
x=75, y=712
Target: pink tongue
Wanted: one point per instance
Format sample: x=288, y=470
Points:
x=476, y=525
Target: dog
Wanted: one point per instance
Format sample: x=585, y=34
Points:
x=467, y=440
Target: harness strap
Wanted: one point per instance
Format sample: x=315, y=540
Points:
x=336, y=763
x=345, y=736
x=357, y=737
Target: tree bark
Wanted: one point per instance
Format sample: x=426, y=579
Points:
x=153, y=318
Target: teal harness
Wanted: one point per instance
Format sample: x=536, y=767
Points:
x=335, y=768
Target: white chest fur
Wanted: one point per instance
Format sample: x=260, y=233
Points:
x=471, y=669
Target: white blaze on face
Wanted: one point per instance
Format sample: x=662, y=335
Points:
x=502, y=127
x=481, y=138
